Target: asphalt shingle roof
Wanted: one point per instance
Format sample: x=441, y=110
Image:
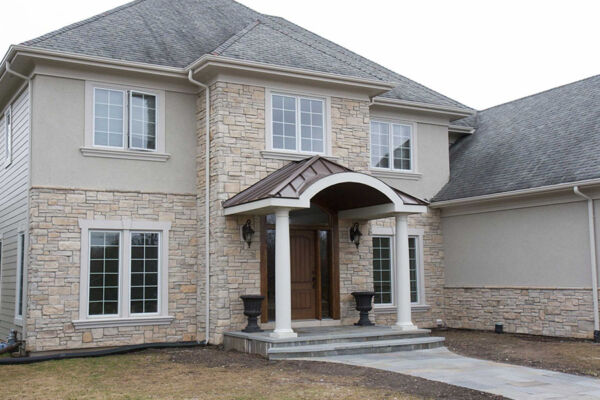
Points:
x=177, y=32
x=545, y=139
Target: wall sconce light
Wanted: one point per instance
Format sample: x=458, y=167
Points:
x=247, y=233
x=355, y=234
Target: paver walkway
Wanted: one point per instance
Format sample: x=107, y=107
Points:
x=508, y=380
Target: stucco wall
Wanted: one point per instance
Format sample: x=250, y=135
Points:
x=59, y=128
x=543, y=246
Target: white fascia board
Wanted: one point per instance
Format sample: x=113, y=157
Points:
x=264, y=206
x=418, y=106
x=461, y=129
x=209, y=60
x=514, y=193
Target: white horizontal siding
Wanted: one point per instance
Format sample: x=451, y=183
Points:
x=14, y=185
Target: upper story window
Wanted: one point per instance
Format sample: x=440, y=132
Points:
x=111, y=108
x=124, y=122
x=392, y=146
x=298, y=124
x=8, y=136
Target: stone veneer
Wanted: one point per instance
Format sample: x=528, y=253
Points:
x=54, y=266
x=550, y=312
x=237, y=139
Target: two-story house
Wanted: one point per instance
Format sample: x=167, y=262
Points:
x=163, y=158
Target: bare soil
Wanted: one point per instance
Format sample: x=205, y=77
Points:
x=574, y=356
x=211, y=373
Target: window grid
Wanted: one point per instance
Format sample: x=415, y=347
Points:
x=143, y=121
x=382, y=270
x=284, y=122
x=311, y=125
x=412, y=261
x=20, y=271
x=144, y=272
x=108, y=117
x=104, y=272
x=386, y=136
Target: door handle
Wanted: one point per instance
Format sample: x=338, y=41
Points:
x=314, y=282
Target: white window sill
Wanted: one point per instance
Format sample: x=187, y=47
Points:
x=18, y=321
x=385, y=309
x=124, y=154
x=379, y=173
x=114, y=322
x=290, y=156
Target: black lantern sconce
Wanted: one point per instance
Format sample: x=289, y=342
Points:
x=247, y=232
x=355, y=234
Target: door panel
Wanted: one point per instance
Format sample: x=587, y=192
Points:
x=303, y=274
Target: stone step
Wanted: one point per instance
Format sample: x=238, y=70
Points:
x=349, y=337
x=362, y=347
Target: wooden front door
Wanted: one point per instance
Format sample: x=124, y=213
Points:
x=303, y=274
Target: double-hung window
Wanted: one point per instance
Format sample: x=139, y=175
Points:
x=124, y=119
x=124, y=273
x=392, y=146
x=298, y=124
x=383, y=270
x=8, y=136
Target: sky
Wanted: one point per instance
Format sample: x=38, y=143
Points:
x=481, y=53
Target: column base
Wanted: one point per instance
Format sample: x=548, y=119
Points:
x=283, y=334
x=405, y=326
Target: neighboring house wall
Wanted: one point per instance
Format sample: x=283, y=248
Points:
x=14, y=184
x=525, y=264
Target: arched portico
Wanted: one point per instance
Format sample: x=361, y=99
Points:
x=350, y=195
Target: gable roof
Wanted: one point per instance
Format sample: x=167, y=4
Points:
x=291, y=180
x=545, y=139
x=176, y=33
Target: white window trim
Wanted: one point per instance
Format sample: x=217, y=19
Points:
x=392, y=273
x=421, y=305
x=8, y=136
x=20, y=271
x=270, y=152
x=391, y=172
x=124, y=317
x=125, y=152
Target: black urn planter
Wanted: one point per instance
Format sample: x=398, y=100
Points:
x=252, y=309
x=364, y=305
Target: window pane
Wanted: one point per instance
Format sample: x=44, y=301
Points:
x=382, y=270
x=284, y=122
x=311, y=125
x=402, y=146
x=144, y=272
x=143, y=121
x=108, y=117
x=413, y=263
x=20, y=277
x=104, y=273
x=380, y=145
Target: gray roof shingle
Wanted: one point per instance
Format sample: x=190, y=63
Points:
x=177, y=32
x=545, y=139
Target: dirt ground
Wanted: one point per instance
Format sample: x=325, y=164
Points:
x=211, y=373
x=573, y=356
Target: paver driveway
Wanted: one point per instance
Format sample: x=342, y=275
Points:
x=508, y=380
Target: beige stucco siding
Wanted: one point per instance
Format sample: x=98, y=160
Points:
x=59, y=126
x=543, y=246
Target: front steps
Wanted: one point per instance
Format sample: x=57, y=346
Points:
x=330, y=341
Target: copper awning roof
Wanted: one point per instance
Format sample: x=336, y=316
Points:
x=290, y=181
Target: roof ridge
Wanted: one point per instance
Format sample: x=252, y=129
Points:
x=229, y=42
x=539, y=93
x=80, y=23
x=357, y=58
x=312, y=45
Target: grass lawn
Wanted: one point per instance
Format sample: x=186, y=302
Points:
x=210, y=373
x=572, y=356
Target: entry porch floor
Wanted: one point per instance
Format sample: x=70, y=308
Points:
x=326, y=341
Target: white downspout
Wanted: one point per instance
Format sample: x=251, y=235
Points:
x=592, y=237
x=206, y=202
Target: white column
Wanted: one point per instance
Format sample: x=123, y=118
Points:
x=283, y=284
x=403, y=317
